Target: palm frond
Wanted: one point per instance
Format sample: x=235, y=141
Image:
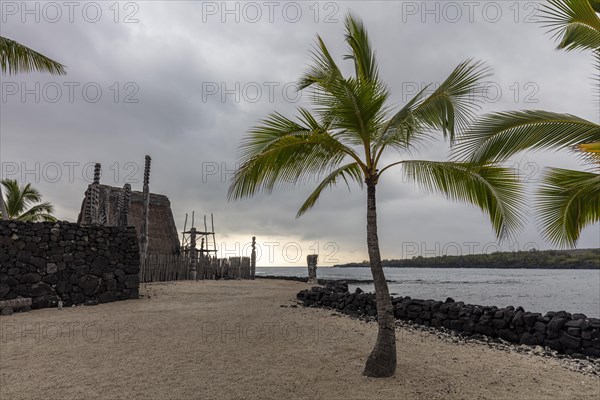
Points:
x=575, y=23
x=403, y=130
x=493, y=189
x=450, y=108
x=496, y=137
x=323, y=71
x=16, y=58
x=355, y=109
x=568, y=201
x=453, y=105
x=589, y=153
x=282, y=152
x=361, y=53
x=346, y=172
x=596, y=78
x=38, y=212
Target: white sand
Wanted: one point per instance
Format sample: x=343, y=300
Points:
x=232, y=340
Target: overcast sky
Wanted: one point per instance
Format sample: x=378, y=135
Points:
x=184, y=81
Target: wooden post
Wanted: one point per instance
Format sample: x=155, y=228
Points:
x=184, y=231
x=103, y=207
x=91, y=198
x=124, y=205
x=203, y=259
x=145, y=209
x=253, y=259
x=87, y=213
x=311, y=260
x=193, y=254
x=212, y=229
x=238, y=268
x=246, y=268
x=95, y=206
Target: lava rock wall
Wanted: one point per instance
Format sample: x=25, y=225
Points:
x=572, y=334
x=77, y=264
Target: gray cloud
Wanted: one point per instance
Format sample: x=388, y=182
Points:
x=174, y=57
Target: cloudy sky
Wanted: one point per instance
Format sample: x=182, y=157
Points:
x=183, y=82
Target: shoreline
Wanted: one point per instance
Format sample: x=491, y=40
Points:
x=474, y=267
x=575, y=335
x=234, y=340
x=320, y=281
x=589, y=309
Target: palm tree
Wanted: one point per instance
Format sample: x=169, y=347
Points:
x=346, y=137
x=21, y=203
x=568, y=200
x=16, y=58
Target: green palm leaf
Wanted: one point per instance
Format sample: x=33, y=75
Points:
x=346, y=172
x=496, y=137
x=574, y=22
x=361, y=53
x=16, y=58
x=323, y=70
x=568, y=201
x=354, y=108
x=404, y=130
x=449, y=108
x=283, y=152
x=596, y=77
x=38, y=212
x=453, y=105
x=493, y=189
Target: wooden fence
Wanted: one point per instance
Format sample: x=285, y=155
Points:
x=164, y=268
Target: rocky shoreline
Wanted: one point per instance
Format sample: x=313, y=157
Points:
x=585, y=365
x=321, y=281
x=573, y=339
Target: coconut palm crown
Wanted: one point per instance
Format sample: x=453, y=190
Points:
x=24, y=203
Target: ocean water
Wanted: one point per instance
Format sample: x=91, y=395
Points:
x=536, y=290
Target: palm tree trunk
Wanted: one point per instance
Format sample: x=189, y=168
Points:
x=382, y=360
x=3, y=204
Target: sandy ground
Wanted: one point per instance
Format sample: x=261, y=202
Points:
x=233, y=340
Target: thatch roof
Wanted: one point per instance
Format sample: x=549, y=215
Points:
x=162, y=232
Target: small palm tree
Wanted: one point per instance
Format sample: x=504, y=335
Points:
x=568, y=200
x=16, y=58
x=346, y=137
x=21, y=203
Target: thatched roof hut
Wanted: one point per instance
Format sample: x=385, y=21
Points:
x=162, y=232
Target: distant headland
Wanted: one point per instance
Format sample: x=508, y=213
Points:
x=531, y=259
